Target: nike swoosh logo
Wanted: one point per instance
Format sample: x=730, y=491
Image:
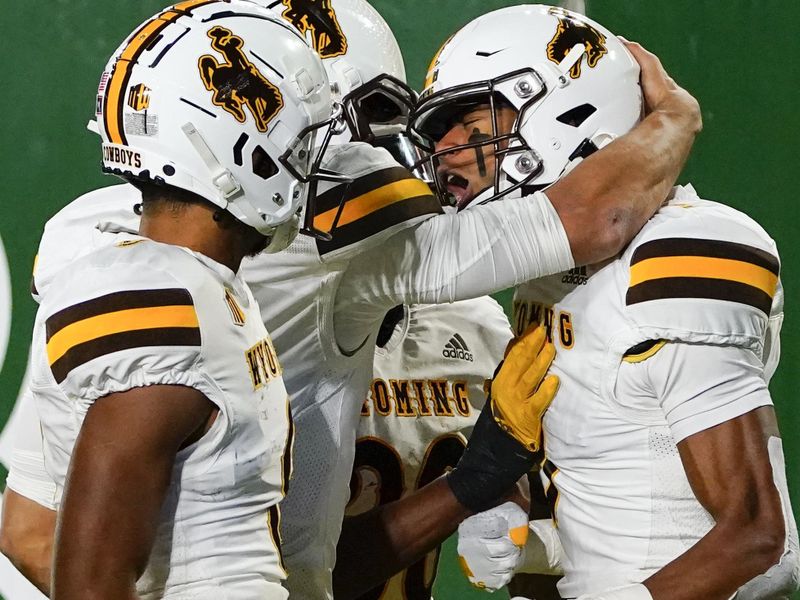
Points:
x=485, y=54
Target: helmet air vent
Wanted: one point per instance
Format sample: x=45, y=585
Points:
x=576, y=116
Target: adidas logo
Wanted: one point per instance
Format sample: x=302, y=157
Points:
x=457, y=348
x=576, y=276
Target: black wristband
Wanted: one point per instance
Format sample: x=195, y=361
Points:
x=491, y=464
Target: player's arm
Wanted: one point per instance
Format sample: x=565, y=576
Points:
x=606, y=199
x=587, y=216
x=502, y=448
x=26, y=537
x=119, y=474
x=732, y=475
x=722, y=420
x=28, y=516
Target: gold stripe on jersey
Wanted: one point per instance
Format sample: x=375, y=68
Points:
x=119, y=321
x=140, y=41
x=366, y=204
x=371, y=204
x=709, y=269
x=702, y=267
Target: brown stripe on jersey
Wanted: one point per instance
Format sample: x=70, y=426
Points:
x=359, y=187
x=274, y=522
x=380, y=220
x=286, y=460
x=114, y=302
x=699, y=287
x=709, y=248
x=550, y=471
x=83, y=353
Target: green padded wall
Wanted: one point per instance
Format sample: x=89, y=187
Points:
x=738, y=57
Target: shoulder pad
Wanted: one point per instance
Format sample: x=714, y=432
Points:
x=702, y=272
x=382, y=199
x=110, y=329
x=85, y=224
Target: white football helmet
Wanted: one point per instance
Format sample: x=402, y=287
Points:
x=574, y=86
x=224, y=100
x=364, y=65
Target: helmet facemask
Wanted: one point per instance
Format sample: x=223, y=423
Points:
x=440, y=111
x=303, y=160
x=378, y=112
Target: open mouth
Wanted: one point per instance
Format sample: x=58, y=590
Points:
x=458, y=187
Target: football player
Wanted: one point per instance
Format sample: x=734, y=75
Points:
x=664, y=465
x=165, y=419
x=336, y=294
x=429, y=373
x=328, y=296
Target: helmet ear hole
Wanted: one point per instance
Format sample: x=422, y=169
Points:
x=576, y=116
x=263, y=165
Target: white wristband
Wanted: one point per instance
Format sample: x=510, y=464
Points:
x=629, y=592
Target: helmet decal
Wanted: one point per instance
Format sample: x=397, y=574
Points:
x=318, y=17
x=572, y=31
x=139, y=97
x=113, y=87
x=237, y=82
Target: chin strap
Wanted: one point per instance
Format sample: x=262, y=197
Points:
x=221, y=177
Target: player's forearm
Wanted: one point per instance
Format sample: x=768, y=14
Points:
x=729, y=556
x=605, y=201
x=26, y=538
x=452, y=257
x=399, y=534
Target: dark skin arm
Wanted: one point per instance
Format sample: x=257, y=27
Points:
x=729, y=470
x=399, y=534
x=389, y=538
x=26, y=538
x=119, y=475
x=608, y=197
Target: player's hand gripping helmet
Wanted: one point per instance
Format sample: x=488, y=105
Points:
x=573, y=86
x=224, y=100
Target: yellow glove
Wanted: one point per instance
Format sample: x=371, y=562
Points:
x=520, y=392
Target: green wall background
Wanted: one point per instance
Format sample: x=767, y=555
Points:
x=739, y=58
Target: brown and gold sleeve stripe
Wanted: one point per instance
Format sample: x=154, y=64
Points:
x=138, y=43
x=372, y=204
x=119, y=321
x=698, y=268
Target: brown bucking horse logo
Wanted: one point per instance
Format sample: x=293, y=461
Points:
x=318, y=17
x=237, y=82
x=572, y=31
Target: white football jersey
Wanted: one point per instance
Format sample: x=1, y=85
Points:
x=693, y=304
x=89, y=222
x=323, y=303
x=141, y=313
x=426, y=393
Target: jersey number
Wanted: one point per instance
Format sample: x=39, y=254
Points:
x=385, y=465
